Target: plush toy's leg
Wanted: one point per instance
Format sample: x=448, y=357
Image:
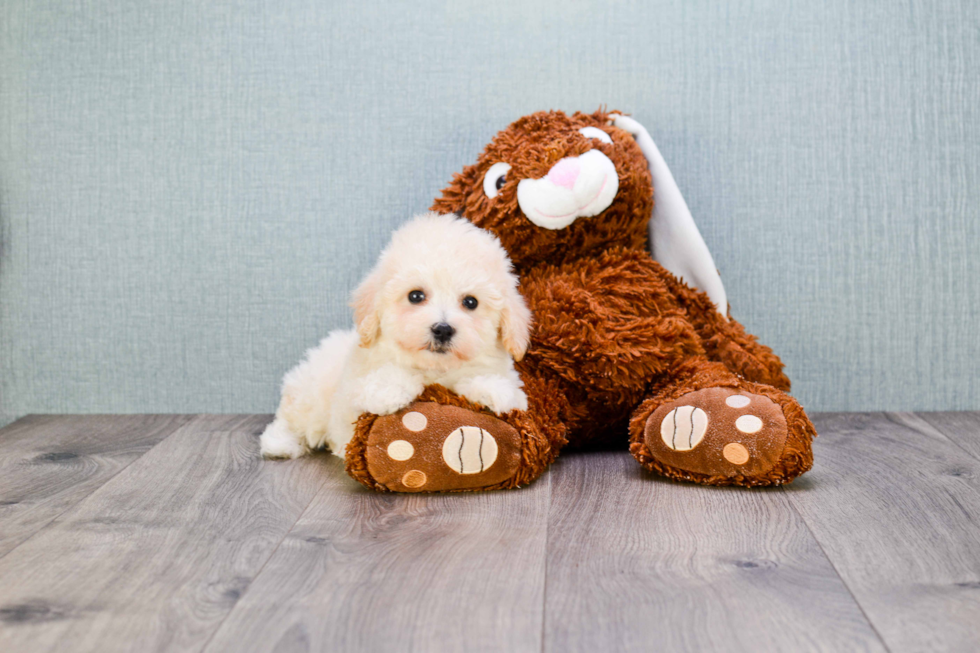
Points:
x=741, y=353
x=726, y=340
x=444, y=443
x=709, y=426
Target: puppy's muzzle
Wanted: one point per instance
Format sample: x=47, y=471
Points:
x=442, y=333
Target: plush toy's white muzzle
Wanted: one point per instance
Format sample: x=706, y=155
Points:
x=575, y=187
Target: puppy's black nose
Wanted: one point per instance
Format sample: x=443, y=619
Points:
x=443, y=332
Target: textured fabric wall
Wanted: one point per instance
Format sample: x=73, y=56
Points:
x=188, y=190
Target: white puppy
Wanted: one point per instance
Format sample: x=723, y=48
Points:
x=441, y=306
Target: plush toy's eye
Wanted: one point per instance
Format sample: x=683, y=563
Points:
x=416, y=297
x=470, y=302
x=495, y=179
x=595, y=132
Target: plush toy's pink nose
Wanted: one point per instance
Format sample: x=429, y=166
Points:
x=564, y=173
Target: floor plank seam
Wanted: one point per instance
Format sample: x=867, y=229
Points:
x=547, y=547
x=938, y=430
x=833, y=566
x=94, y=490
x=272, y=554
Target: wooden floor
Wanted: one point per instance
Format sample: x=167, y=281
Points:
x=150, y=533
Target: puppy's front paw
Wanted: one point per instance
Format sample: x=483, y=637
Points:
x=496, y=392
x=387, y=390
x=278, y=441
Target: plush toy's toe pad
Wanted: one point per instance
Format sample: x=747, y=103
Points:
x=429, y=447
x=718, y=432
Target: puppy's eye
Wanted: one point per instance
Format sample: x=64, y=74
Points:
x=416, y=297
x=595, y=132
x=495, y=179
x=470, y=302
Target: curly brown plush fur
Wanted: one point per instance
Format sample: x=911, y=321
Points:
x=532, y=145
x=616, y=335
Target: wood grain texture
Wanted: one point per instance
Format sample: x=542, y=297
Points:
x=50, y=463
x=896, y=507
x=158, y=556
x=199, y=544
x=637, y=563
x=363, y=571
x=962, y=428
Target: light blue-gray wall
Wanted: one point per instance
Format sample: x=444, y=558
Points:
x=188, y=189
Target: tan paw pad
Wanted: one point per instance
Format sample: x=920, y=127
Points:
x=738, y=401
x=735, y=453
x=400, y=450
x=414, y=421
x=469, y=450
x=414, y=479
x=748, y=424
x=683, y=427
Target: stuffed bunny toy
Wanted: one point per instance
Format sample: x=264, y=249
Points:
x=632, y=338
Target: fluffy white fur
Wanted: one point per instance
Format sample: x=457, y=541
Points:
x=393, y=353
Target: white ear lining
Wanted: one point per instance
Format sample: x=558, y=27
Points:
x=675, y=241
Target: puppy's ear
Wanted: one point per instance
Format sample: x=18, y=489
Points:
x=515, y=324
x=367, y=308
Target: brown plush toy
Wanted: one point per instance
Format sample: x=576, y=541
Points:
x=624, y=345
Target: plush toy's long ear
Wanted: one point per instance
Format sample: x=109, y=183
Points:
x=675, y=241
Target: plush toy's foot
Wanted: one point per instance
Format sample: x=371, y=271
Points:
x=428, y=447
x=445, y=446
x=750, y=435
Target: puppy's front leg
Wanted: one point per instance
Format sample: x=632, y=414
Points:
x=499, y=393
x=387, y=390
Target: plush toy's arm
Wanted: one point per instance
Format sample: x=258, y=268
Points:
x=675, y=240
x=612, y=319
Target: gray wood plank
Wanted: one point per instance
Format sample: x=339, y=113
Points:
x=896, y=507
x=963, y=428
x=638, y=563
x=50, y=463
x=363, y=571
x=158, y=556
